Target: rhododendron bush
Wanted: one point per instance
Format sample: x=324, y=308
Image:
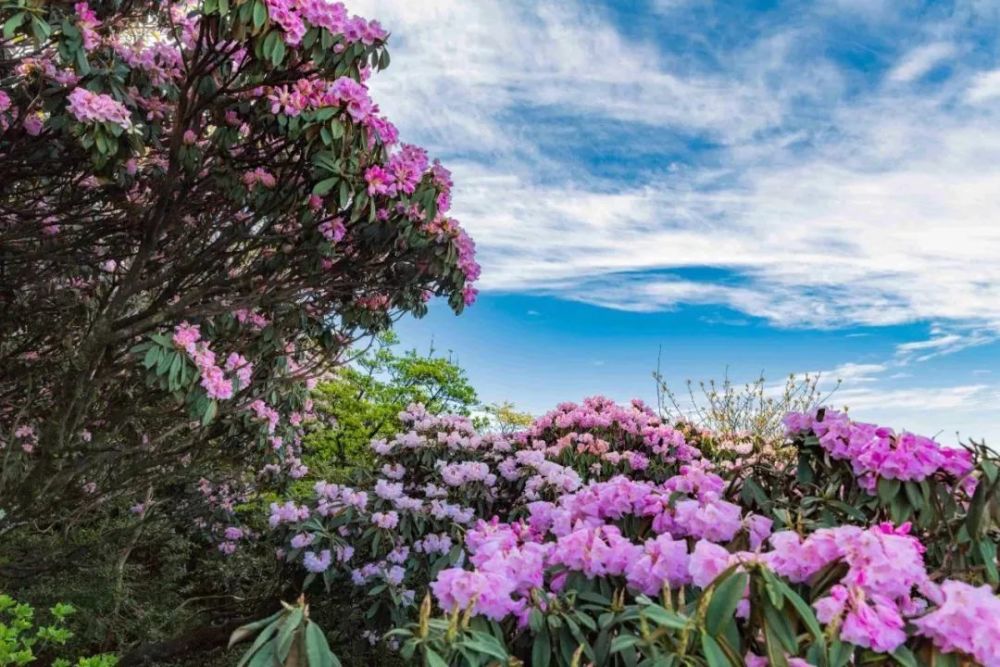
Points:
x=601, y=535
x=202, y=207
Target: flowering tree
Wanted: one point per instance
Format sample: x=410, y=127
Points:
x=201, y=207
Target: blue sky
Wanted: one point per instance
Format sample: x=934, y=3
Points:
x=758, y=186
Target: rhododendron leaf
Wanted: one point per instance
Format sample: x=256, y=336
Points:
x=278, y=53
x=541, y=649
x=317, y=649
x=265, y=656
x=152, y=356
x=11, y=24
x=40, y=29
x=623, y=641
x=664, y=618
x=990, y=470
x=488, y=644
x=904, y=656
x=259, y=13
x=988, y=551
x=773, y=645
x=433, y=659
x=977, y=507
x=887, y=489
x=244, y=632
x=323, y=187
x=714, y=655
x=752, y=490
x=778, y=625
x=913, y=495
x=725, y=596
x=210, y=411
x=850, y=510
x=805, y=612
x=289, y=628
x=263, y=638
x=772, y=588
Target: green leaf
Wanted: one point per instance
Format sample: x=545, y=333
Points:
x=714, y=654
x=433, y=659
x=278, y=53
x=261, y=640
x=152, y=356
x=541, y=649
x=977, y=506
x=488, y=644
x=210, y=412
x=887, y=489
x=244, y=632
x=913, y=495
x=805, y=612
x=840, y=653
x=988, y=552
x=318, y=651
x=259, y=13
x=12, y=24
x=622, y=642
x=324, y=186
x=905, y=657
x=725, y=597
x=40, y=28
x=288, y=628
x=777, y=624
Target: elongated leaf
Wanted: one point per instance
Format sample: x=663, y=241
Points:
x=541, y=649
x=287, y=634
x=905, y=657
x=245, y=632
x=714, y=654
x=433, y=659
x=725, y=597
x=887, y=489
x=262, y=639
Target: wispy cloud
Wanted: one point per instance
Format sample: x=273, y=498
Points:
x=829, y=207
x=920, y=61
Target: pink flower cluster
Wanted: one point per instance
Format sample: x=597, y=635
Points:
x=87, y=22
x=292, y=16
x=885, y=586
x=188, y=337
x=966, y=619
x=877, y=451
x=88, y=107
x=617, y=438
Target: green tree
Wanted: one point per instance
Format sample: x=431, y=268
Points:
x=363, y=399
x=505, y=418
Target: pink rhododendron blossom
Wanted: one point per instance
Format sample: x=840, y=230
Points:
x=88, y=107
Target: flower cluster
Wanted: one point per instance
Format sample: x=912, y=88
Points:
x=599, y=492
x=876, y=452
x=293, y=15
x=88, y=107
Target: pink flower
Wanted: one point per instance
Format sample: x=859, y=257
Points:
x=88, y=107
x=966, y=619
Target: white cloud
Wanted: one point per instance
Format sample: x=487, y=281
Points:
x=985, y=87
x=920, y=61
x=826, y=210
